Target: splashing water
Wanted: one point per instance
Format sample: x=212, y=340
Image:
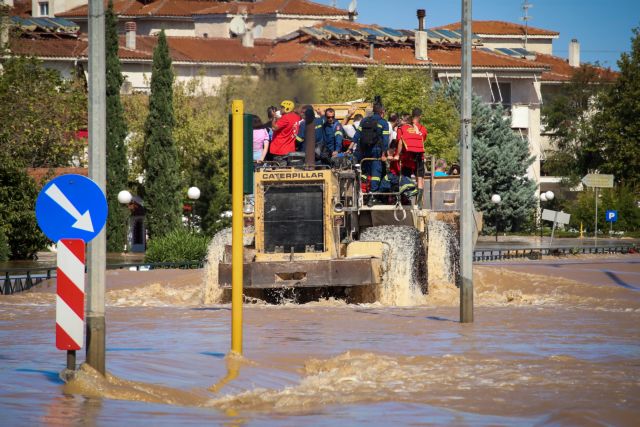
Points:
x=212, y=293
x=403, y=264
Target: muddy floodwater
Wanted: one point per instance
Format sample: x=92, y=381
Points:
x=555, y=342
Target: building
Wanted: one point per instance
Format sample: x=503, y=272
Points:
x=513, y=64
x=214, y=19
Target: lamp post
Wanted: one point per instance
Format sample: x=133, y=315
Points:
x=125, y=197
x=496, y=199
x=544, y=197
x=193, y=193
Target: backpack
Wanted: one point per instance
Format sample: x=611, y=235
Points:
x=369, y=135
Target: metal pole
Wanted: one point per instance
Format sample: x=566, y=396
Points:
x=96, y=263
x=237, y=193
x=553, y=230
x=595, y=241
x=466, y=215
x=309, y=138
x=71, y=360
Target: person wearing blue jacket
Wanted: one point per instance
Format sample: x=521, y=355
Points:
x=372, y=142
x=332, y=133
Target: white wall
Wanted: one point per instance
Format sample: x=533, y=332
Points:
x=534, y=45
x=151, y=27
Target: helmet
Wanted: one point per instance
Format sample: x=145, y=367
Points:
x=287, y=105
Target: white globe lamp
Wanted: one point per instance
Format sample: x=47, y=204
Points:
x=193, y=193
x=496, y=199
x=549, y=195
x=543, y=197
x=125, y=197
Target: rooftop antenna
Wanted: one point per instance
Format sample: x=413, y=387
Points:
x=525, y=17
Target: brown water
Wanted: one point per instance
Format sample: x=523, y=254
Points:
x=554, y=343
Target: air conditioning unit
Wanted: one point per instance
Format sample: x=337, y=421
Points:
x=520, y=116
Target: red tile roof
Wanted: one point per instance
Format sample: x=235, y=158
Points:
x=561, y=71
x=500, y=28
x=188, y=8
x=297, y=51
x=21, y=8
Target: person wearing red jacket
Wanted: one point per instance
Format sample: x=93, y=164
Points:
x=285, y=128
x=411, y=139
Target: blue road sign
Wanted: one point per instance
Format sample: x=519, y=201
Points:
x=71, y=207
x=611, y=216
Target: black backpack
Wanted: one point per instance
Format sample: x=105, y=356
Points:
x=369, y=135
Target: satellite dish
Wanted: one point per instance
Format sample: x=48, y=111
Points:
x=257, y=31
x=353, y=6
x=237, y=25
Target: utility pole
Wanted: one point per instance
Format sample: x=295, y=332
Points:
x=467, y=215
x=96, y=265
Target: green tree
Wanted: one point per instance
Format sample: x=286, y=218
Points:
x=17, y=217
x=117, y=164
x=568, y=118
x=402, y=91
x=621, y=198
x=162, y=184
x=616, y=125
x=31, y=131
x=500, y=162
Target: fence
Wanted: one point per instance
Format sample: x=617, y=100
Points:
x=480, y=255
x=21, y=279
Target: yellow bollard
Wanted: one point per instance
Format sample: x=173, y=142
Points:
x=237, y=111
x=581, y=231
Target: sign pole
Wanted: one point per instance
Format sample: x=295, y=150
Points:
x=466, y=214
x=553, y=229
x=237, y=224
x=96, y=266
x=595, y=241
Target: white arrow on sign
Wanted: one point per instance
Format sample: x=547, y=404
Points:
x=83, y=222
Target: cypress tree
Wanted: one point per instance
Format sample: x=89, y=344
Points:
x=500, y=162
x=162, y=185
x=117, y=164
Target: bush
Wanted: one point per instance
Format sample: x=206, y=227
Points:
x=179, y=245
x=5, y=250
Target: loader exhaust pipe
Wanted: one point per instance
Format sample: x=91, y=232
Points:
x=309, y=138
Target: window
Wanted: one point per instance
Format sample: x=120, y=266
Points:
x=501, y=91
x=44, y=8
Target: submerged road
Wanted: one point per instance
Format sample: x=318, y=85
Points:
x=610, y=272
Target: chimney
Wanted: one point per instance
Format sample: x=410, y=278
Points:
x=372, y=40
x=574, y=53
x=5, y=23
x=130, y=35
x=421, y=37
x=247, y=39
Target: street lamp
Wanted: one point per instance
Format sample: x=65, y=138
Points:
x=193, y=193
x=547, y=196
x=496, y=199
x=125, y=197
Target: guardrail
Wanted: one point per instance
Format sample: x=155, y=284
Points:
x=495, y=254
x=14, y=280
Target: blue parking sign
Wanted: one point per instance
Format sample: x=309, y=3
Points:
x=71, y=207
x=611, y=216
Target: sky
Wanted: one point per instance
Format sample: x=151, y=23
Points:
x=603, y=27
